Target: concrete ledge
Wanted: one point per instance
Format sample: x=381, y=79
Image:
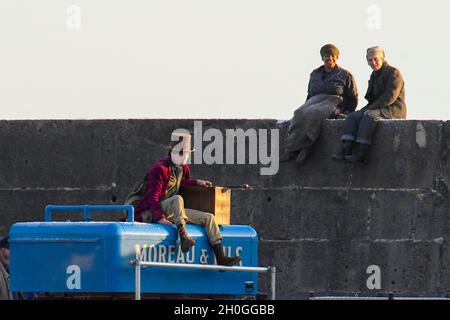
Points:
x=405, y=154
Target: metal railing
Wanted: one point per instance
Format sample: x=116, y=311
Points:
x=87, y=209
x=139, y=264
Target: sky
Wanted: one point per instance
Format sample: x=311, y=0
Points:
x=209, y=59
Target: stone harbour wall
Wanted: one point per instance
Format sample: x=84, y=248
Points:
x=323, y=224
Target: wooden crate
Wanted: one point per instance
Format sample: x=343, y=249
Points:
x=216, y=200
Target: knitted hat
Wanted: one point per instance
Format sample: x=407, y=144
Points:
x=329, y=49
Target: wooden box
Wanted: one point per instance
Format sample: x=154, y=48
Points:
x=216, y=200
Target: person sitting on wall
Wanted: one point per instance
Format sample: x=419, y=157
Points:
x=386, y=97
x=332, y=93
x=162, y=204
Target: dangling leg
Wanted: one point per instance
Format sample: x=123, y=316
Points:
x=207, y=221
x=366, y=131
x=351, y=125
x=174, y=208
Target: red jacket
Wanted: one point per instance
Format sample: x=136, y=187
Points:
x=157, y=182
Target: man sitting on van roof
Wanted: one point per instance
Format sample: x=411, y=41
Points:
x=162, y=204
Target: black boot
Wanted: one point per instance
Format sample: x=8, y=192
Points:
x=222, y=259
x=186, y=243
x=344, y=152
x=360, y=156
x=303, y=154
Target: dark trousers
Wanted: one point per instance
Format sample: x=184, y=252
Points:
x=360, y=125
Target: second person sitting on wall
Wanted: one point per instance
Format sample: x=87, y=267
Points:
x=332, y=93
x=386, y=100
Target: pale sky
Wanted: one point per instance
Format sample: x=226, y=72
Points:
x=107, y=59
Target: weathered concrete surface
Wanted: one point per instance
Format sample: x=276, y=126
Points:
x=335, y=267
x=322, y=224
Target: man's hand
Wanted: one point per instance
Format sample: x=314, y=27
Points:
x=163, y=220
x=204, y=183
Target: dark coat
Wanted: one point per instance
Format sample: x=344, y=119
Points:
x=339, y=82
x=386, y=92
x=307, y=121
x=157, y=183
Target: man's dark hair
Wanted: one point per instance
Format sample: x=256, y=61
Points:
x=4, y=242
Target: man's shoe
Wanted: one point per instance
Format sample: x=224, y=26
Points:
x=346, y=151
x=229, y=261
x=288, y=156
x=340, y=156
x=186, y=243
x=302, y=155
x=360, y=157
